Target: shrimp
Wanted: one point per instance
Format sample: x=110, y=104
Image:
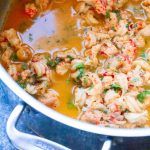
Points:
x=6, y=57
x=145, y=31
x=62, y=68
x=12, y=37
x=31, y=10
x=13, y=71
x=108, y=48
x=91, y=116
x=50, y=98
x=42, y=4
x=132, y=104
x=111, y=96
x=146, y=6
x=31, y=89
x=138, y=118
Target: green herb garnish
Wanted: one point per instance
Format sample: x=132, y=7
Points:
x=107, y=14
x=85, y=80
x=70, y=57
x=142, y=95
x=14, y=57
x=116, y=87
x=79, y=66
x=105, y=91
x=54, y=63
x=70, y=104
x=68, y=81
x=117, y=12
x=21, y=84
x=81, y=73
x=24, y=66
x=91, y=87
x=144, y=56
x=51, y=63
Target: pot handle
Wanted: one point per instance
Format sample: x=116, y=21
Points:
x=107, y=144
x=26, y=141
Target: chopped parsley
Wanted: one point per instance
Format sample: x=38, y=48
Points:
x=81, y=73
x=70, y=57
x=70, y=104
x=144, y=56
x=24, y=66
x=113, y=28
x=30, y=37
x=54, y=63
x=79, y=66
x=115, y=87
x=117, y=12
x=14, y=57
x=107, y=14
x=58, y=60
x=51, y=63
x=105, y=91
x=142, y=95
x=91, y=87
x=22, y=84
x=127, y=25
x=68, y=81
x=85, y=80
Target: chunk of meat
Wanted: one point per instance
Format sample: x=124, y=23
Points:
x=31, y=89
x=24, y=53
x=121, y=78
x=6, y=57
x=62, y=68
x=145, y=31
x=133, y=105
x=12, y=37
x=108, y=48
x=13, y=71
x=92, y=116
x=138, y=118
x=42, y=4
x=31, y=10
x=80, y=97
x=102, y=6
x=50, y=98
x=90, y=18
x=146, y=6
x=111, y=96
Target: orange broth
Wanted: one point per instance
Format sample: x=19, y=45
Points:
x=53, y=30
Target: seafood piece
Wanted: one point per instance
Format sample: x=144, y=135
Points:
x=50, y=98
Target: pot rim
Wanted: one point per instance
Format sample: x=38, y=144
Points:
x=31, y=101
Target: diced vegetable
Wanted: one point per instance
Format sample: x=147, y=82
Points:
x=107, y=14
x=24, y=66
x=14, y=57
x=22, y=85
x=70, y=57
x=70, y=104
x=116, y=87
x=54, y=63
x=79, y=66
x=141, y=96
